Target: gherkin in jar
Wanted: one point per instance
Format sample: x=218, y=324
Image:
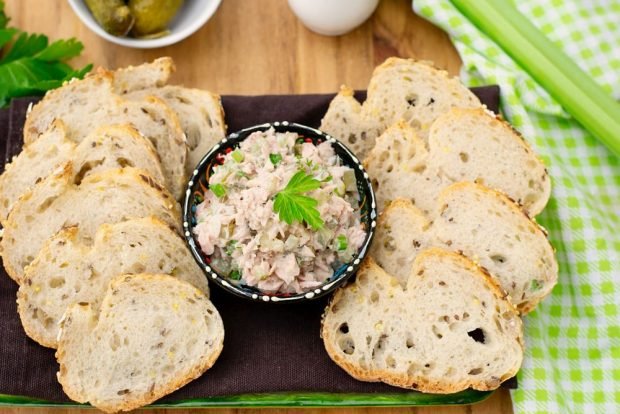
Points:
x=114, y=16
x=152, y=16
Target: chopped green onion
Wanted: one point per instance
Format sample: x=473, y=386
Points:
x=230, y=247
x=341, y=242
x=235, y=275
x=237, y=155
x=218, y=189
x=275, y=158
x=327, y=179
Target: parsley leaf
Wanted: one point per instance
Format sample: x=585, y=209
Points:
x=292, y=205
x=30, y=65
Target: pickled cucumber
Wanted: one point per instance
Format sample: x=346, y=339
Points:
x=114, y=16
x=152, y=16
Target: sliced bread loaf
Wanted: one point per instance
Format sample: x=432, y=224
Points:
x=464, y=145
x=57, y=202
x=147, y=75
x=483, y=225
x=107, y=147
x=67, y=271
x=84, y=105
x=449, y=329
x=200, y=113
x=400, y=89
x=154, y=334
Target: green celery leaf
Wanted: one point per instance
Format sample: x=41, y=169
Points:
x=6, y=35
x=301, y=183
x=4, y=20
x=32, y=66
x=26, y=45
x=292, y=206
x=61, y=50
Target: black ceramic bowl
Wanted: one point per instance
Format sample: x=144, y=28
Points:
x=199, y=181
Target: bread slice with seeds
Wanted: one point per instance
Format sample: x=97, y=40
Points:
x=464, y=145
x=200, y=113
x=450, y=328
x=67, y=271
x=399, y=89
x=153, y=334
x=84, y=105
x=153, y=74
x=402, y=233
x=476, y=145
x=344, y=120
x=398, y=167
x=57, y=202
x=107, y=147
x=483, y=225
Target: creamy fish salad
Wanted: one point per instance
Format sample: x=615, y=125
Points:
x=281, y=214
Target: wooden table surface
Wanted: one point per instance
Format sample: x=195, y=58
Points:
x=259, y=47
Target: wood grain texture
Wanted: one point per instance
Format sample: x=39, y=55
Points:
x=259, y=47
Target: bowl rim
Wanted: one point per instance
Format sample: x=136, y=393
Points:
x=320, y=291
x=198, y=20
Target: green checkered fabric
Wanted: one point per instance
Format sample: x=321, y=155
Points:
x=572, y=360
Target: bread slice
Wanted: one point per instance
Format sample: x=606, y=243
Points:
x=154, y=334
x=449, y=329
x=402, y=233
x=84, y=105
x=154, y=74
x=33, y=164
x=464, y=145
x=344, y=120
x=398, y=167
x=476, y=145
x=200, y=113
x=107, y=147
x=489, y=228
x=57, y=202
x=400, y=89
x=483, y=225
x=67, y=271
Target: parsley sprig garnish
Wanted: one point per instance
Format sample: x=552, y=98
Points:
x=292, y=205
x=30, y=65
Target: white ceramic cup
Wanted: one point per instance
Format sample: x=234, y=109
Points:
x=333, y=17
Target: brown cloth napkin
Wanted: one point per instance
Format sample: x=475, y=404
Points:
x=268, y=347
